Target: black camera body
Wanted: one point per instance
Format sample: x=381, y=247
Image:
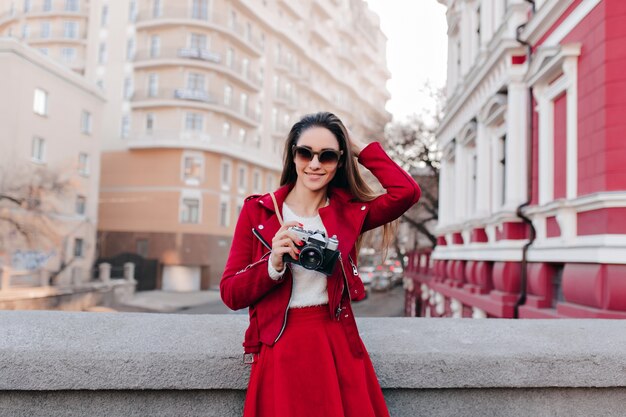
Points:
x=317, y=253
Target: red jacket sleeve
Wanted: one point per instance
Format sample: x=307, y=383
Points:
x=245, y=279
x=402, y=190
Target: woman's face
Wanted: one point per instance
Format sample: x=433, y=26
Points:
x=313, y=174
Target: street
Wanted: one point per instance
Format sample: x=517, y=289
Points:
x=378, y=304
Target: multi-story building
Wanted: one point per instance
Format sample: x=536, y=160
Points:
x=533, y=176
x=201, y=95
x=57, y=28
x=49, y=135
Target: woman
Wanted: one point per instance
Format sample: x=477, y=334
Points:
x=302, y=341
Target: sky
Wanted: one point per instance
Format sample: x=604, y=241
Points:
x=417, y=48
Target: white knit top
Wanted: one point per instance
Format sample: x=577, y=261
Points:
x=309, y=287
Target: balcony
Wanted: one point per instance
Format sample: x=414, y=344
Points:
x=199, y=57
x=203, y=141
x=150, y=364
x=186, y=16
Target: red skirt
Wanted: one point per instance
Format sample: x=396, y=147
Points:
x=311, y=371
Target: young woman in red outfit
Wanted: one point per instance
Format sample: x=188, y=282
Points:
x=302, y=341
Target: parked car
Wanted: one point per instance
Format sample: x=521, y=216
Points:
x=381, y=283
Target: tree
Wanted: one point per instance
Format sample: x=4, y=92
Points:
x=412, y=143
x=31, y=202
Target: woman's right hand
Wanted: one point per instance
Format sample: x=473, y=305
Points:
x=284, y=242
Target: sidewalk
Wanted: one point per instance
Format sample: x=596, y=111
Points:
x=159, y=301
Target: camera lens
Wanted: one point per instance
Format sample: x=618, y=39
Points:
x=311, y=257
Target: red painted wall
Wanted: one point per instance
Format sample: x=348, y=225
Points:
x=560, y=146
x=602, y=221
x=615, y=89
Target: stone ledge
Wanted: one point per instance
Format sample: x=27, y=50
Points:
x=53, y=350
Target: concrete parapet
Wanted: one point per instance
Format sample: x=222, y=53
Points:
x=134, y=364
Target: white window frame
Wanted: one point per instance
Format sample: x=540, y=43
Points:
x=554, y=72
x=226, y=175
x=242, y=135
x=40, y=102
x=155, y=46
x=125, y=126
x=226, y=130
x=70, y=29
x=197, y=160
x=228, y=95
x=194, y=122
x=256, y=181
x=45, y=30
x=86, y=122
x=38, y=149
x=242, y=179
x=223, y=216
x=153, y=84
x=150, y=120
x=83, y=164
x=186, y=216
x=79, y=247
x=68, y=57
x=80, y=205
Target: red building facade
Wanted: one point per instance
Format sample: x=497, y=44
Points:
x=533, y=178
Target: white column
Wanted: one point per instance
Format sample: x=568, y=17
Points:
x=494, y=146
x=460, y=183
x=443, y=200
x=546, y=146
x=571, y=72
x=483, y=185
x=516, y=145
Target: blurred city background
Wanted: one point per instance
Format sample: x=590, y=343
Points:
x=131, y=131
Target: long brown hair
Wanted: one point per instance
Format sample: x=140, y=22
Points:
x=347, y=176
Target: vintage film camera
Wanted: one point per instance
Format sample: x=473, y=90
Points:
x=318, y=252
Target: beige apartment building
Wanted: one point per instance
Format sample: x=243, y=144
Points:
x=201, y=95
x=49, y=128
x=57, y=28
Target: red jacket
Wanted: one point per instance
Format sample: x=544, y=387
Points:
x=246, y=282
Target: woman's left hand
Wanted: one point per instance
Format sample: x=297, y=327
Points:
x=356, y=145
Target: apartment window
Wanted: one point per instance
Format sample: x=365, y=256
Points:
x=44, y=51
x=102, y=53
x=104, y=17
x=157, y=8
x=40, y=102
x=242, y=135
x=25, y=31
x=193, y=122
x=257, y=111
x=230, y=57
x=190, y=212
x=153, y=85
x=232, y=22
x=38, y=148
x=193, y=166
x=79, y=248
x=224, y=214
x=47, y=5
x=70, y=30
x=242, y=178
x=83, y=164
x=200, y=9
x=45, y=30
x=226, y=130
x=85, y=122
x=130, y=49
x=248, y=31
x=71, y=5
x=243, y=103
x=155, y=46
x=274, y=119
x=276, y=85
x=128, y=88
x=198, y=41
x=256, y=182
x=270, y=183
x=225, y=174
x=81, y=204
x=195, y=82
x=141, y=247
x=27, y=6
x=125, y=127
x=228, y=94
x=245, y=67
x=68, y=55
x=132, y=10
x=149, y=122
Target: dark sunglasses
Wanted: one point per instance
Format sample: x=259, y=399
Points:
x=327, y=156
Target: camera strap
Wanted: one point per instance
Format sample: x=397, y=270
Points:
x=280, y=218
